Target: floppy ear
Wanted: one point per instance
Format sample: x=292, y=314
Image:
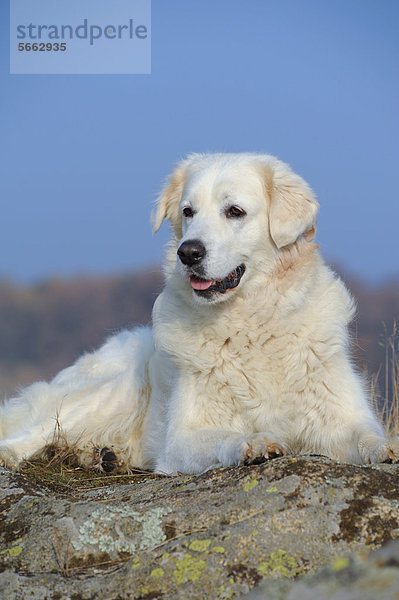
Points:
x=169, y=199
x=293, y=207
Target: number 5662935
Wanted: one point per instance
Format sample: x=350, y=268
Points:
x=42, y=47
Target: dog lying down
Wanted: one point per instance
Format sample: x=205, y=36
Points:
x=248, y=355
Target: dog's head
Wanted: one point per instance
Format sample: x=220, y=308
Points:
x=232, y=214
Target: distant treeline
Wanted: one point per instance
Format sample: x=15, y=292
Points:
x=45, y=327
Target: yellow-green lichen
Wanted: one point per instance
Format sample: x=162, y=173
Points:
x=200, y=545
x=218, y=549
x=157, y=573
x=279, y=563
x=15, y=550
x=340, y=563
x=135, y=563
x=189, y=568
x=272, y=489
x=249, y=483
x=254, y=532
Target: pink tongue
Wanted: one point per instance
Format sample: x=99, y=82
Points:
x=200, y=284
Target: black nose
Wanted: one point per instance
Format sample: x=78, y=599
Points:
x=191, y=252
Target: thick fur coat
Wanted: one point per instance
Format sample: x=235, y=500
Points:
x=248, y=355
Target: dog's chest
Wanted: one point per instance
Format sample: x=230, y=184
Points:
x=237, y=358
x=232, y=362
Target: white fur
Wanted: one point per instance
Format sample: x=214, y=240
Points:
x=262, y=369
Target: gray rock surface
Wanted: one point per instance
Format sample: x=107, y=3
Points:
x=216, y=535
x=360, y=576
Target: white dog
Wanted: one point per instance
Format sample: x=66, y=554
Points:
x=248, y=357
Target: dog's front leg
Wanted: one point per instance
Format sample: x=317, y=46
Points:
x=196, y=451
x=198, y=436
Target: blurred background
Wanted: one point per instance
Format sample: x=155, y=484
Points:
x=83, y=157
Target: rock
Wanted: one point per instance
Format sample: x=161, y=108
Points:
x=359, y=576
x=216, y=535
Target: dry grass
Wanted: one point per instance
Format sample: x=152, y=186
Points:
x=61, y=474
x=57, y=468
x=385, y=395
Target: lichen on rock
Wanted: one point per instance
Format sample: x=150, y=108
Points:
x=215, y=535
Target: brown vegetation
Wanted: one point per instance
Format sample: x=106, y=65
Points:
x=45, y=327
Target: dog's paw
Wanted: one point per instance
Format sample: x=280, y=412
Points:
x=250, y=449
x=8, y=458
x=105, y=460
x=392, y=450
x=260, y=447
x=375, y=449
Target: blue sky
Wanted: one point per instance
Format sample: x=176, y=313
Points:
x=314, y=82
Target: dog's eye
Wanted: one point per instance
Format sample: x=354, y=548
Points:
x=188, y=212
x=235, y=212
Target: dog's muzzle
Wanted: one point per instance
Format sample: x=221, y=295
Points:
x=207, y=287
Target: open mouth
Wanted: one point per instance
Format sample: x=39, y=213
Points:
x=205, y=286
